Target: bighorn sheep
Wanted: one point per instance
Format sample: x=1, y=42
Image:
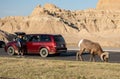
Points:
x=93, y=48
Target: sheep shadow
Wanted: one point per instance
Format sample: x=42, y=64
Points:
x=71, y=56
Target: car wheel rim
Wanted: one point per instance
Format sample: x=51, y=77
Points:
x=44, y=52
x=10, y=51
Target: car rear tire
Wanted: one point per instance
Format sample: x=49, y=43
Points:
x=11, y=51
x=44, y=52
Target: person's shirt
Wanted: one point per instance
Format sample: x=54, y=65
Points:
x=19, y=42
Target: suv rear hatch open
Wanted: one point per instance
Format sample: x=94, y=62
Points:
x=60, y=43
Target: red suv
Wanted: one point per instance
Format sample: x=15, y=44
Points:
x=43, y=44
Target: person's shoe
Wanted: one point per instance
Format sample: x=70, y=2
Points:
x=18, y=56
x=22, y=56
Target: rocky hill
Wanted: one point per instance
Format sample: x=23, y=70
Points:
x=109, y=4
x=101, y=26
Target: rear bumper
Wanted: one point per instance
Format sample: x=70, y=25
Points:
x=62, y=50
x=58, y=50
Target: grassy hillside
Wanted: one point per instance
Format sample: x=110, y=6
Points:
x=25, y=68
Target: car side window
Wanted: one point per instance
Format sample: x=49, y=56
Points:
x=35, y=38
x=45, y=38
x=27, y=38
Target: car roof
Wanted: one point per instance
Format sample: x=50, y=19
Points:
x=20, y=33
x=44, y=34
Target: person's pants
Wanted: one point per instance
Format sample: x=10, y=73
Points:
x=20, y=50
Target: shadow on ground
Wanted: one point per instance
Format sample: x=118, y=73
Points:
x=69, y=56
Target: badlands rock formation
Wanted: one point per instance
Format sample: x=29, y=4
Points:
x=109, y=4
x=101, y=26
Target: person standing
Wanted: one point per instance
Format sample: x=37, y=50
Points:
x=20, y=45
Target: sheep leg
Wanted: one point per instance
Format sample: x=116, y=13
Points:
x=77, y=56
x=80, y=55
x=81, y=58
x=92, y=58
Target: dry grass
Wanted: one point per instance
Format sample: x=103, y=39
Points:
x=25, y=68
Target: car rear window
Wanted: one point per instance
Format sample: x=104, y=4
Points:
x=59, y=38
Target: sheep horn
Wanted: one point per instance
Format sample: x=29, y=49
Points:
x=104, y=54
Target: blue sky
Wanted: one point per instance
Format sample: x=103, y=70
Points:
x=25, y=7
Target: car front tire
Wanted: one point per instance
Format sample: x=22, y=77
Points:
x=11, y=51
x=44, y=52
